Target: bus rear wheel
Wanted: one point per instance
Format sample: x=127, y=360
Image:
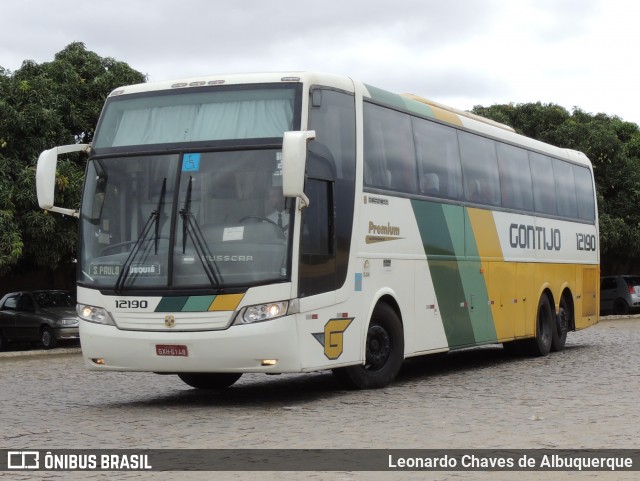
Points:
x=384, y=353
x=561, y=326
x=206, y=380
x=545, y=325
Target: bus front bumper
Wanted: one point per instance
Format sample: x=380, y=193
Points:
x=265, y=347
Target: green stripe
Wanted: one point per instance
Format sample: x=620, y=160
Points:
x=475, y=288
x=400, y=102
x=171, y=304
x=198, y=303
x=456, y=271
x=442, y=232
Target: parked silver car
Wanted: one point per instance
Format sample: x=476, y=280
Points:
x=619, y=294
x=45, y=316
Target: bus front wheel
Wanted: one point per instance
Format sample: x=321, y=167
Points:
x=384, y=352
x=206, y=380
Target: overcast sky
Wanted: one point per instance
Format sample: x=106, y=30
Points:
x=462, y=53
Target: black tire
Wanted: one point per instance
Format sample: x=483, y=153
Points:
x=545, y=326
x=620, y=307
x=206, y=380
x=563, y=320
x=48, y=338
x=384, y=353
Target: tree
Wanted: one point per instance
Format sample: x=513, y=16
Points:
x=613, y=146
x=43, y=106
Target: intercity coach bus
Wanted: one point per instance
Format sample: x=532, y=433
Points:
x=296, y=222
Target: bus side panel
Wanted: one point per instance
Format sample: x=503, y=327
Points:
x=393, y=263
x=474, y=271
x=587, y=311
x=442, y=231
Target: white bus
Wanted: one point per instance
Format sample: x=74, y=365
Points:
x=296, y=222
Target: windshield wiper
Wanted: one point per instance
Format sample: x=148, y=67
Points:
x=160, y=202
x=154, y=217
x=191, y=228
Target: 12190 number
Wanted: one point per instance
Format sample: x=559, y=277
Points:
x=585, y=242
x=131, y=304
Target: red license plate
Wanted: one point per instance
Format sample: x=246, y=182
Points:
x=171, y=350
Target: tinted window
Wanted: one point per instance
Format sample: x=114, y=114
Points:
x=333, y=120
x=633, y=281
x=607, y=283
x=515, y=177
x=193, y=115
x=544, y=189
x=11, y=304
x=389, y=155
x=565, y=189
x=584, y=193
x=438, y=159
x=479, y=169
x=25, y=303
x=54, y=299
x=332, y=116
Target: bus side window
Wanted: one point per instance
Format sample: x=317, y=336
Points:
x=388, y=149
x=544, y=189
x=438, y=159
x=584, y=193
x=317, y=252
x=480, y=169
x=515, y=177
x=565, y=189
x=317, y=219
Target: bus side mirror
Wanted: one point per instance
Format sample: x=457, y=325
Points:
x=294, y=161
x=46, y=176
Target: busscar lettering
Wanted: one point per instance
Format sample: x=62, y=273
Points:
x=221, y=258
x=523, y=236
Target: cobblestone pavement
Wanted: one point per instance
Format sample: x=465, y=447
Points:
x=583, y=397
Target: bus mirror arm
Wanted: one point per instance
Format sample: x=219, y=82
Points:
x=46, y=176
x=294, y=160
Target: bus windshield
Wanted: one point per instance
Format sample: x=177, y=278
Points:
x=170, y=204
x=194, y=220
x=196, y=115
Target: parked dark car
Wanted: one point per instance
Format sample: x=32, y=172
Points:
x=45, y=316
x=619, y=294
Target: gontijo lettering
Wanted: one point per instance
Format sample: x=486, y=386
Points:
x=525, y=236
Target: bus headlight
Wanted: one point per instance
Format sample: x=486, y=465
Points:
x=94, y=314
x=261, y=312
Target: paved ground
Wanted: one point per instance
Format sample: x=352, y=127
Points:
x=584, y=397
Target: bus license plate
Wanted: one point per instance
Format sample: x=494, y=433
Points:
x=171, y=350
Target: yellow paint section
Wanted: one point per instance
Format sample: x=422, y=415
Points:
x=446, y=114
x=499, y=276
x=485, y=233
x=226, y=302
x=514, y=288
x=334, y=337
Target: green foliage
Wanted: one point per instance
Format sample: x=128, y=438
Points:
x=43, y=106
x=613, y=146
